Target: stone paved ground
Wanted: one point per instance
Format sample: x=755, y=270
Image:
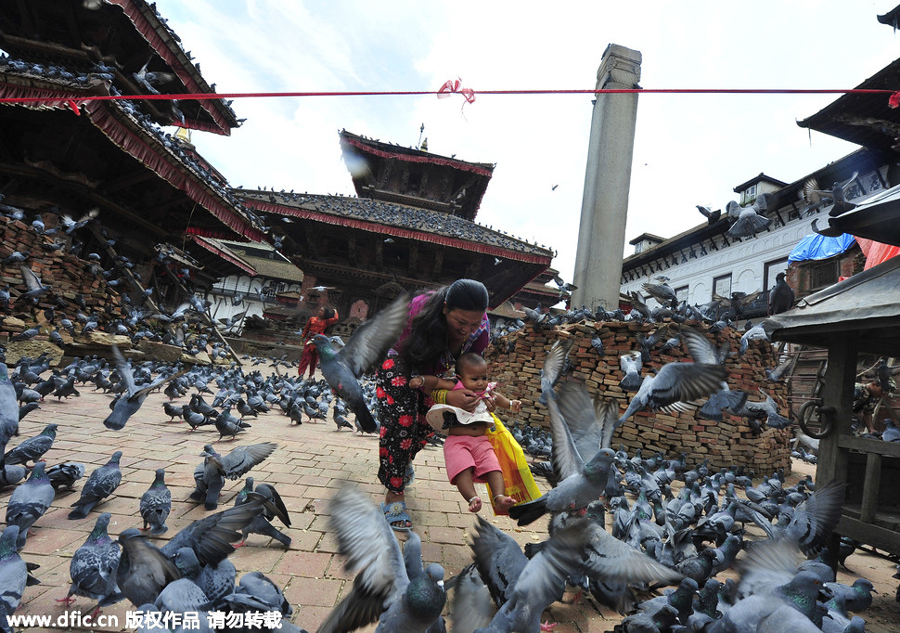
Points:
x=310, y=463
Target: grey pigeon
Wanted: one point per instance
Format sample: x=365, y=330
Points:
x=498, y=558
x=217, y=581
x=143, y=570
x=256, y=592
x=590, y=422
x=36, y=288
x=156, y=504
x=674, y=384
x=382, y=591
x=211, y=537
x=781, y=296
x=554, y=367
x=580, y=481
x=210, y=475
x=182, y=596
x=29, y=502
x=261, y=524
x=631, y=366
x=33, y=448
x=759, y=332
x=63, y=476
x=13, y=575
x=540, y=583
x=93, y=566
x=131, y=400
x=800, y=593
x=102, y=483
x=9, y=408
x=11, y=475
x=747, y=221
x=366, y=347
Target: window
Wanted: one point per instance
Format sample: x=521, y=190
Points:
x=771, y=270
x=748, y=195
x=722, y=286
x=681, y=293
x=822, y=274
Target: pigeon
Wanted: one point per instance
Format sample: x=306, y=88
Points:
x=261, y=524
x=29, y=502
x=131, y=400
x=367, y=346
x=211, y=537
x=36, y=288
x=383, y=590
x=674, y=384
x=631, y=366
x=554, y=367
x=498, y=558
x=33, y=448
x=9, y=409
x=156, y=504
x=93, y=567
x=11, y=475
x=711, y=216
x=759, y=332
x=781, y=297
x=63, y=476
x=227, y=424
x=747, y=221
x=210, y=475
x=663, y=293
x=144, y=570
x=256, y=592
x=13, y=575
x=590, y=422
x=102, y=483
x=540, y=582
x=580, y=481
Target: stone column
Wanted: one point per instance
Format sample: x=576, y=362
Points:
x=604, y=205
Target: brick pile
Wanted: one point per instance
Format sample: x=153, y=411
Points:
x=67, y=274
x=516, y=361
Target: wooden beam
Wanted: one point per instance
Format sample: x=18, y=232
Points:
x=128, y=180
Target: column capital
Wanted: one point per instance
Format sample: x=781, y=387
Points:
x=620, y=67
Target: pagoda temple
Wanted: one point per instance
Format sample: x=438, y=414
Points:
x=411, y=226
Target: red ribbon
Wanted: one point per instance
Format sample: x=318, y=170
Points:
x=453, y=85
x=894, y=100
x=74, y=107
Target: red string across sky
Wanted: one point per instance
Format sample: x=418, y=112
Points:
x=454, y=87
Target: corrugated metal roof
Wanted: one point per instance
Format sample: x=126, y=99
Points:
x=864, y=308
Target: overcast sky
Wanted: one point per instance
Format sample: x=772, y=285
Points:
x=689, y=149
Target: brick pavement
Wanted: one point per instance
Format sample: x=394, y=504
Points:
x=310, y=463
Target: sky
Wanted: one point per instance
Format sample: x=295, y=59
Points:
x=689, y=149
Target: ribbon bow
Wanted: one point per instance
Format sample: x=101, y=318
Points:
x=453, y=85
x=894, y=100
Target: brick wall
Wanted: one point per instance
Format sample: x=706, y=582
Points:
x=67, y=274
x=723, y=443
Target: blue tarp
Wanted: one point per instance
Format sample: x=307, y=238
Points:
x=817, y=246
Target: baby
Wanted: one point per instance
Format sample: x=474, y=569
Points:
x=468, y=453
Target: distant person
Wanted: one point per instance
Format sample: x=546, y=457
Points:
x=315, y=325
x=781, y=297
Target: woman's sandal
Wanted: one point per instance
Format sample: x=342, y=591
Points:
x=396, y=516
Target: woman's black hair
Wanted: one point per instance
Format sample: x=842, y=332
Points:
x=427, y=339
x=328, y=314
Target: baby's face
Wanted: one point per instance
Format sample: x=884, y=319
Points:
x=475, y=378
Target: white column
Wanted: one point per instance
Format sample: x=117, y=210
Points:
x=604, y=205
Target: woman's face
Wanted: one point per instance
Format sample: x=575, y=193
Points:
x=461, y=323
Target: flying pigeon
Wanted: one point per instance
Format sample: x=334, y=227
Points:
x=366, y=347
x=747, y=221
x=384, y=590
x=674, y=384
x=131, y=400
x=262, y=522
x=210, y=475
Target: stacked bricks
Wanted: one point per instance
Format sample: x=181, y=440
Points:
x=516, y=361
x=67, y=275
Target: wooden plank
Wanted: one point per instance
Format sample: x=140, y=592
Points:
x=838, y=393
x=869, y=534
x=871, y=486
x=868, y=445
